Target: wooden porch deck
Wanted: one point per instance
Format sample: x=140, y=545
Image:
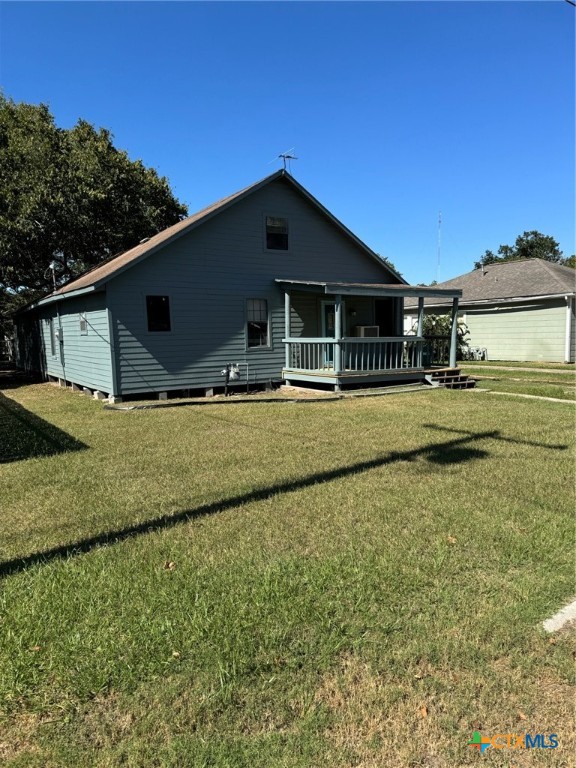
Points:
x=347, y=377
x=352, y=361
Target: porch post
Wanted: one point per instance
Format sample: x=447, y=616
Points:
x=420, y=325
x=337, y=333
x=399, y=316
x=454, y=332
x=419, y=330
x=287, y=328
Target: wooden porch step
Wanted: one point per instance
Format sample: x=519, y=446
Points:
x=450, y=378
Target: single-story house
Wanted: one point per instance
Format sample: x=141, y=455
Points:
x=266, y=281
x=516, y=310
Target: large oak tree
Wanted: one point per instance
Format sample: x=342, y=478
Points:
x=70, y=198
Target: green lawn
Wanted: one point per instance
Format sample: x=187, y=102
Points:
x=558, y=383
x=357, y=582
x=570, y=367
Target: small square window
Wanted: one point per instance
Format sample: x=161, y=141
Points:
x=276, y=233
x=83, y=324
x=158, y=313
x=257, y=323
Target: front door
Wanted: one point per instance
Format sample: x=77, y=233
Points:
x=385, y=317
x=329, y=330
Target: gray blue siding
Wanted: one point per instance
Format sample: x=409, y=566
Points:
x=209, y=274
x=83, y=359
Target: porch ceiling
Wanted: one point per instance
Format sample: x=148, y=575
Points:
x=369, y=289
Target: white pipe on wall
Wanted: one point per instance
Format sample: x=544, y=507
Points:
x=568, y=335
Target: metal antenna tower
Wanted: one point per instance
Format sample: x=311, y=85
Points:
x=439, y=245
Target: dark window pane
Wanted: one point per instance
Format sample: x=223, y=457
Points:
x=257, y=322
x=52, y=337
x=276, y=233
x=158, y=312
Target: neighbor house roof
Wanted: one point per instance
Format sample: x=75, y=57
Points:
x=510, y=280
x=99, y=275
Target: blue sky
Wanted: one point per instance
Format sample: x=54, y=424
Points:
x=396, y=110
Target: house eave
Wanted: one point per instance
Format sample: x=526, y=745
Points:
x=201, y=218
x=186, y=230
x=365, y=289
x=54, y=297
x=508, y=300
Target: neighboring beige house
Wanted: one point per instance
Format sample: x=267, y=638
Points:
x=517, y=310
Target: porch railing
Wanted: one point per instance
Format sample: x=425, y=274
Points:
x=352, y=354
x=436, y=350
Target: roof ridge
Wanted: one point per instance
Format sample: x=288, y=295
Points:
x=552, y=265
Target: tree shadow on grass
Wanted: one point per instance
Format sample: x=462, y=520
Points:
x=12, y=377
x=23, y=435
x=456, y=451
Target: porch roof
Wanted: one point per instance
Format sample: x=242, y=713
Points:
x=369, y=289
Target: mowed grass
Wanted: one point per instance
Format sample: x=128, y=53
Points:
x=284, y=584
x=532, y=364
x=558, y=383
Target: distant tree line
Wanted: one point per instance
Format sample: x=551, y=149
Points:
x=529, y=245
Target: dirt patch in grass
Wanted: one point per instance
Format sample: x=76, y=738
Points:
x=379, y=721
x=18, y=736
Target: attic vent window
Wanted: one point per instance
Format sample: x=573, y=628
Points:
x=158, y=312
x=83, y=324
x=276, y=233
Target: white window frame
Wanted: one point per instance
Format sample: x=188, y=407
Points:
x=268, y=345
x=285, y=218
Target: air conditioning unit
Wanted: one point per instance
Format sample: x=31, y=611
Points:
x=367, y=330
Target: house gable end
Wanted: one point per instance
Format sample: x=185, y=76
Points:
x=103, y=273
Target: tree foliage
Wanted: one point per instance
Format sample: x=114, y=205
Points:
x=529, y=245
x=69, y=197
x=438, y=328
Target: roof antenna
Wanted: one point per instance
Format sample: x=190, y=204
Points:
x=287, y=156
x=52, y=268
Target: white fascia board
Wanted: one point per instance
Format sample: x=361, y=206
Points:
x=62, y=296
x=511, y=300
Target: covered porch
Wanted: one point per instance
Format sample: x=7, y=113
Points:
x=345, y=333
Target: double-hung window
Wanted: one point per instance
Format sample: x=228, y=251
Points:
x=276, y=233
x=257, y=325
